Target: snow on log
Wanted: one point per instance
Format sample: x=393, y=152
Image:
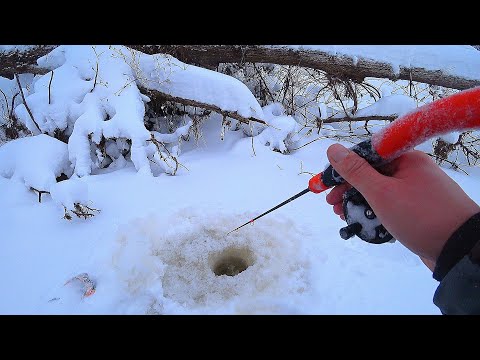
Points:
x=452, y=66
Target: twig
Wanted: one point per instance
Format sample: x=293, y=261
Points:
x=80, y=210
x=264, y=82
x=253, y=147
x=304, y=172
x=157, y=144
x=25, y=103
x=359, y=118
x=6, y=100
x=49, y=85
x=40, y=192
x=440, y=160
x=95, y=81
x=13, y=103
x=308, y=143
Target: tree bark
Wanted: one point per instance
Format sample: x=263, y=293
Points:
x=339, y=65
x=20, y=62
x=209, y=56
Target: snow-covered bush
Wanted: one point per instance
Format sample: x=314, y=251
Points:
x=93, y=96
x=35, y=160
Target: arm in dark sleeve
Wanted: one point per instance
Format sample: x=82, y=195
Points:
x=458, y=270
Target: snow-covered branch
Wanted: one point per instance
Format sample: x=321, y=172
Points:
x=422, y=63
x=161, y=96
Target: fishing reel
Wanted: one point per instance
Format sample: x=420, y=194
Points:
x=361, y=220
x=360, y=217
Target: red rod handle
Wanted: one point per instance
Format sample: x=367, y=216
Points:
x=457, y=112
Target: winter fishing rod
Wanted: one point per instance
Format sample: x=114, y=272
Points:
x=458, y=112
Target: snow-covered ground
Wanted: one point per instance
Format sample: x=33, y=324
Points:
x=155, y=244
x=159, y=244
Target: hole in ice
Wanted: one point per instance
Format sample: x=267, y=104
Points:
x=232, y=262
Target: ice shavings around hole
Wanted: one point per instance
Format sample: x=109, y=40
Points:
x=167, y=265
x=35, y=160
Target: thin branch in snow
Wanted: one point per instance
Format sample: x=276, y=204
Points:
x=158, y=144
x=308, y=143
x=304, y=172
x=13, y=103
x=6, y=101
x=25, y=102
x=96, y=76
x=49, y=89
x=454, y=165
x=251, y=132
x=67, y=215
x=40, y=192
x=360, y=118
x=80, y=211
x=264, y=82
x=84, y=210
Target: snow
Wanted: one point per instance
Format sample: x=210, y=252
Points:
x=280, y=134
x=389, y=105
x=458, y=60
x=160, y=243
x=69, y=192
x=169, y=75
x=153, y=246
x=94, y=94
x=35, y=161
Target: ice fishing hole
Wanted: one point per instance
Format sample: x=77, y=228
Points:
x=232, y=261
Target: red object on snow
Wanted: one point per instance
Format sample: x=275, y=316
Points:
x=88, y=285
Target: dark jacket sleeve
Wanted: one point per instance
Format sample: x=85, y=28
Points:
x=458, y=270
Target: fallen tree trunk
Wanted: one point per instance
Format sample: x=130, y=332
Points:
x=19, y=62
x=210, y=56
x=338, y=65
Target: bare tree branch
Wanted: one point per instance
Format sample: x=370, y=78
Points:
x=49, y=86
x=13, y=105
x=25, y=103
x=360, y=118
x=154, y=94
x=6, y=101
